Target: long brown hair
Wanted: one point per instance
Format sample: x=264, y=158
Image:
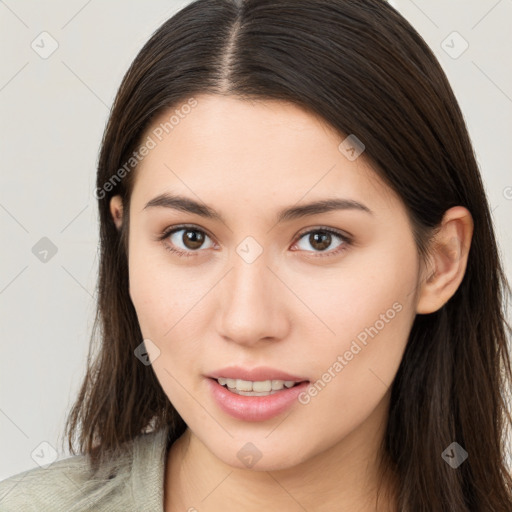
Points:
x=364, y=69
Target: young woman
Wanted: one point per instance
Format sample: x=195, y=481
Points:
x=301, y=304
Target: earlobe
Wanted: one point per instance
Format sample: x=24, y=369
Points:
x=116, y=210
x=449, y=251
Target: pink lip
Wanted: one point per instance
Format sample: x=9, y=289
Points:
x=260, y=373
x=255, y=408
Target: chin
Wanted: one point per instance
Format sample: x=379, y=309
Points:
x=254, y=457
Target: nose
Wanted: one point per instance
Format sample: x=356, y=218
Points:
x=253, y=304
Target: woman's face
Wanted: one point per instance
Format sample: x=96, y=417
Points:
x=326, y=296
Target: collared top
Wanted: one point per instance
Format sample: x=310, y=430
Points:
x=134, y=481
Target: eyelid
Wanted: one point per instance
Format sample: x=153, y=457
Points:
x=339, y=232
x=172, y=229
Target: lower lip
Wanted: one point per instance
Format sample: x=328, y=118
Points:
x=254, y=408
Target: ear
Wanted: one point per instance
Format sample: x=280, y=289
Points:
x=448, y=256
x=116, y=210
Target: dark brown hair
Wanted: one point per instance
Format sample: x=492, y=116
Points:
x=360, y=66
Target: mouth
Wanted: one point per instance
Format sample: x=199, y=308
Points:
x=256, y=388
x=255, y=394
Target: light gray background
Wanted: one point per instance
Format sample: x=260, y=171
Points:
x=53, y=112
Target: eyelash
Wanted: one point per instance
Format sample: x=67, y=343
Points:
x=344, y=246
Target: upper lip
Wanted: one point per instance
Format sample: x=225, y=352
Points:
x=260, y=373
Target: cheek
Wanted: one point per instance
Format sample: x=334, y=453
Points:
x=165, y=296
x=171, y=306
x=166, y=309
x=369, y=314
x=368, y=295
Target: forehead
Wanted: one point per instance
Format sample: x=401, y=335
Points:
x=273, y=150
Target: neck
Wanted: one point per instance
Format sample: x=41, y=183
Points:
x=344, y=477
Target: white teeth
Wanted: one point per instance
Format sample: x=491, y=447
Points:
x=243, y=385
x=247, y=386
x=277, y=384
x=262, y=386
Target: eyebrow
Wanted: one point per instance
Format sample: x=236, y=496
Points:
x=189, y=205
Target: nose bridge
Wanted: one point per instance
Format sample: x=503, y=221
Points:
x=251, y=306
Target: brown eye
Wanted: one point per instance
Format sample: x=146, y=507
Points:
x=192, y=239
x=186, y=240
x=321, y=239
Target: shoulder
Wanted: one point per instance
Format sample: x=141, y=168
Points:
x=53, y=486
x=133, y=481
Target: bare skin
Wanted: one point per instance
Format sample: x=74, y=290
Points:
x=297, y=307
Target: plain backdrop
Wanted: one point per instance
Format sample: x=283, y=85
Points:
x=53, y=111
